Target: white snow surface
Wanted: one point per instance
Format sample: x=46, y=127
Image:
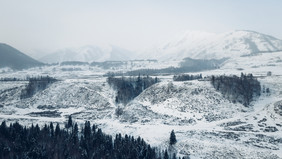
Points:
x=206, y=124
x=203, y=45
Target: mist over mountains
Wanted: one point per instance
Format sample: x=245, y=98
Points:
x=88, y=53
x=203, y=45
x=191, y=44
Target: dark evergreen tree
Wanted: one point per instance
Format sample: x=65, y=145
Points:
x=69, y=124
x=166, y=155
x=52, y=129
x=172, y=138
x=57, y=130
x=267, y=90
x=174, y=156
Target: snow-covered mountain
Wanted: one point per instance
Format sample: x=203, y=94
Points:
x=203, y=45
x=88, y=53
x=15, y=59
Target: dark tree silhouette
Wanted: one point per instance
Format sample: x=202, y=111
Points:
x=129, y=88
x=237, y=89
x=185, y=77
x=35, y=85
x=172, y=138
x=69, y=124
x=32, y=142
x=166, y=155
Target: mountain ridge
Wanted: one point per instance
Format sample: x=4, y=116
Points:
x=15, y=59
x=88, y=53
x=203, y=45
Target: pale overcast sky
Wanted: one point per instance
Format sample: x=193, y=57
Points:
x=133, y=24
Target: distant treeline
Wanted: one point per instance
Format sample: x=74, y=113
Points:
x=115, y=64
x=130, y=87
x=6, y=79
x=187, y=65
x=73, y=63
x=186, y=77
x=36, y=84
x=237, y=89
x=54, y=142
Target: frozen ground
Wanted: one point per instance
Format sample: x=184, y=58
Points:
x=206, y=124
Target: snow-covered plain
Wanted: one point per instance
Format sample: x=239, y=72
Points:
x=206, y=124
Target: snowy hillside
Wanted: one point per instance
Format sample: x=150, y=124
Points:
x=199, y=115
x=202, y=45
x=88, y=54
x=205, y=123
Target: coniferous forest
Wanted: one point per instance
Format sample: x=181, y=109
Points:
x=186, y=77
x=35, y=85
x=237, y=89
x=131, y=87
x=54, y=142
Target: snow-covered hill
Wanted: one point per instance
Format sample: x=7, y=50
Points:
x=206, y=124
x=189, y=102
x=203, y=45
x=88, y=53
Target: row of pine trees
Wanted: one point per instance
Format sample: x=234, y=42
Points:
x=53, y=142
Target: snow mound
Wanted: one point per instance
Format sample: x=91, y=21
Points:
x=182, y=102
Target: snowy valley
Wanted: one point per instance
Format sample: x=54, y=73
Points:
x=206, y=124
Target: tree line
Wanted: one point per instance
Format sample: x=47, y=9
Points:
x=186, y=77
x=36, y=84
x=187, y=65
x=130, y=87
x=54, y=142
x=237, y=89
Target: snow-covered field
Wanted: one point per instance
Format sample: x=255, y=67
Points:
x=206, y=124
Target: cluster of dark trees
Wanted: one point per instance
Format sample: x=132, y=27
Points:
x=201, y=64
x=130, y=87
x=76, y=63
x=36, y=84
x=186, y=77
x=53, y=142
x=6, y=79
x=237, y=89
x=187, y=65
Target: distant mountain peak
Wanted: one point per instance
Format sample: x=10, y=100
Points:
x=203, y=45
x=88, y=53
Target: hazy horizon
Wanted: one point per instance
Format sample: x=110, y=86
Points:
x=48, y=25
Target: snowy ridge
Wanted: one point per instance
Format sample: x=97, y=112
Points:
x=202, y=45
